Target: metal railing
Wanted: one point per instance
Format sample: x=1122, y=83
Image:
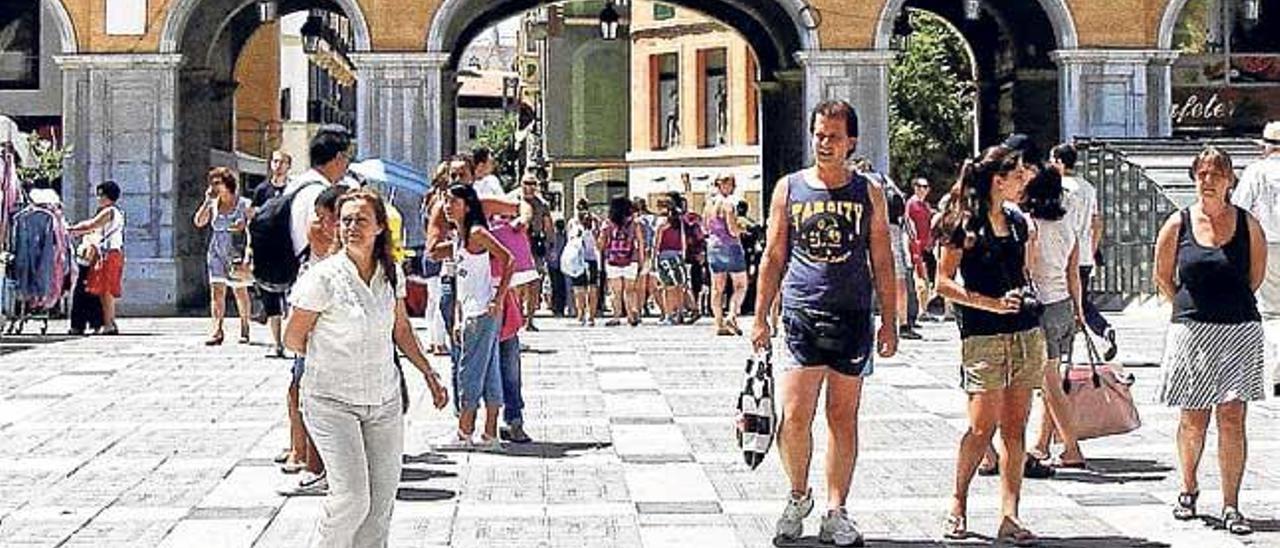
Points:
x=1140, y=182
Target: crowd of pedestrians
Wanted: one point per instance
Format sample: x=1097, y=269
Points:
x=1008, y=253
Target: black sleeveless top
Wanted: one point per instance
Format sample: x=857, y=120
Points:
x=1213, y=282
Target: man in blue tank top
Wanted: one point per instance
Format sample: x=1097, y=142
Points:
x=827, y=243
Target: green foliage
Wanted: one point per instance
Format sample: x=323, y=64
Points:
x=44, y=166
x=500, y=138
x=931, y=97
x=1191, y=33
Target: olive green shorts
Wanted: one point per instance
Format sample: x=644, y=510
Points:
x=997, y=362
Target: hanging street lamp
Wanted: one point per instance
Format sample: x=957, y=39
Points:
x=609, y=22
x=267, y=10
x=972, y=10
x=1252, y=10
x=311, y=32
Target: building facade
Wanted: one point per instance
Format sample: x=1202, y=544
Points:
x=694, y=105
x=143, y=90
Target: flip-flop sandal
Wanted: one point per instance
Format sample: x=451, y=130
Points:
x=1185, y=509
x=282, y=457
x=1233, y=521
x=955, y=528
x=1012, y=532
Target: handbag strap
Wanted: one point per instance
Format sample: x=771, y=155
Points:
x=1095, y=358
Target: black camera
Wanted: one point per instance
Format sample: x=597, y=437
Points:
x=1028, y=302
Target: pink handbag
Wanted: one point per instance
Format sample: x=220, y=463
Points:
x=1099, y=398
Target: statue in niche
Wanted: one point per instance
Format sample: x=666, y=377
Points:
x=673, y=119
x=722, y=113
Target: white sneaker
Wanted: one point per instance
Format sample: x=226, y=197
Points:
x=837, y=528
x=486, y=444
x=791, y=524
x=312, y=485
x=453, y=441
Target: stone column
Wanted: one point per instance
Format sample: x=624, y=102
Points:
x=120, y=112
x=783, y=128
x=1115, y=93
x=404, y=107
x=860, y=77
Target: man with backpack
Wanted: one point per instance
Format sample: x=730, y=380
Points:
x=284, y=230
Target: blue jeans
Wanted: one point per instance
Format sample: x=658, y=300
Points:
x=1092, y=318
x=448, y=299
x=513, y=400
x=479, y=371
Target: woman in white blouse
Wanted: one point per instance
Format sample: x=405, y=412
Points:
x=348, y=313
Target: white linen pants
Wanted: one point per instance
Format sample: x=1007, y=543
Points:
x=361, y=446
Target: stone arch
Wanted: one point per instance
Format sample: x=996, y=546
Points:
x=1064, y=27
x=1169, y=22
x=775, y=29
x=175, y=23
x=66, y=29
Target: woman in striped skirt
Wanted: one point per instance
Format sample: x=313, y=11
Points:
x=1210, y=258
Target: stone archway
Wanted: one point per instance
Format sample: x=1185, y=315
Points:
x=1064, y=27
x=421, y=83
x=1018, y=86
x=179, y=15
x=66, y=29
x=1169, y=22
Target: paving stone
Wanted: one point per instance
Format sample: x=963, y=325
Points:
x=144, y=441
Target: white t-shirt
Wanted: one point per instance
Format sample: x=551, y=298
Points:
x=489, y=185
x=303, y=210
x=1258, y=192
x=1082, y=205
x=1054, y=241
x=349, y=352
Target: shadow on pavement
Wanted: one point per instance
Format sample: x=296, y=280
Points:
x=1102, y=471
x=417, y=494
x=422, y=474
x=1258, y=525
x=426, y=458
x=979, y=540
x=551, y=450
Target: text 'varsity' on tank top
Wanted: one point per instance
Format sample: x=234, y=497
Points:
x=1213, y=282
x=829, y=231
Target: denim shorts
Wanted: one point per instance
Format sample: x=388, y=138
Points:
x=727, y=259
x=299, y=367
x=858, y=360
x=1059, y=324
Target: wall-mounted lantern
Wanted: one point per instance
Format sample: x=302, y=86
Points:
x=609, y=22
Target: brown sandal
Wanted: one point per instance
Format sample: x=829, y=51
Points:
x=1012, y=532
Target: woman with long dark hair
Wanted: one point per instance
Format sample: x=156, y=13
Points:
x=1002, y=345
x=1056, y=273
x=623, y=249
x=348, y=316
x=478, y=317
x=1210, y=259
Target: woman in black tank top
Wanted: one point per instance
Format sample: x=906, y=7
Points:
x=1210, y=258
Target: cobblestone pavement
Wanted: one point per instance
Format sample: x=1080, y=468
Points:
x=154, y=439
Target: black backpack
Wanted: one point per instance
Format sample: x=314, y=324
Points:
x=271, y=237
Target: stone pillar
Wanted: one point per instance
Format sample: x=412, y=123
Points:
x=404, y=107
x=783, y=147
x=860, y=77
x=1114, y=93
x=120, y=115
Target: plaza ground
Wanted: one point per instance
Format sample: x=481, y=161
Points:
x=151, y=438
